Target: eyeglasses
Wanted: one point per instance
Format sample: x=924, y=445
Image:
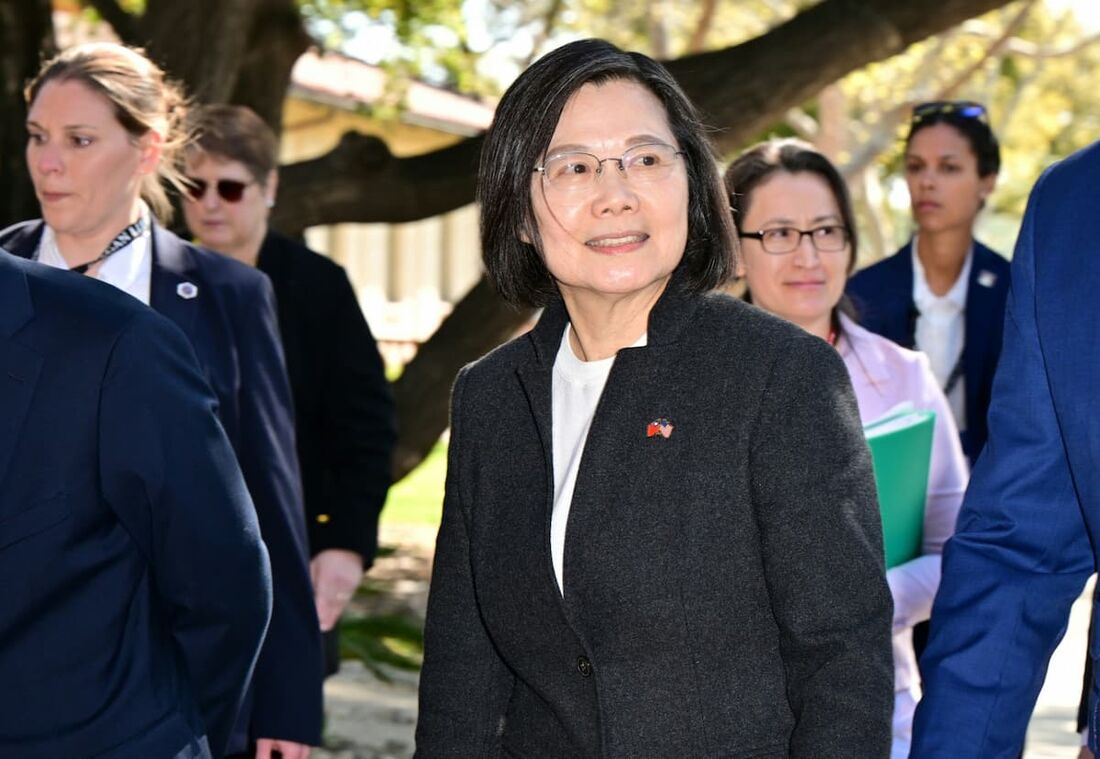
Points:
x=966, y=109
x=829, y=238
x=229, y=190
x=570, y=172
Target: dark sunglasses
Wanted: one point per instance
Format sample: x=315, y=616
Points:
x=229, y=190
x=966, y=109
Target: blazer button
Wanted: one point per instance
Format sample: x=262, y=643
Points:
x=584, y=666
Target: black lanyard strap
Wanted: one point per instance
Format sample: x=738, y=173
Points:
x=122, y=239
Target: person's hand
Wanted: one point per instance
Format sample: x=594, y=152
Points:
x=336, y=574
x=287, y=749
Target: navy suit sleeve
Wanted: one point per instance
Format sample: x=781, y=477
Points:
x=360, y=430
x=821, y=537
x=288, y=678
x=168, y=471
x=1019, y=557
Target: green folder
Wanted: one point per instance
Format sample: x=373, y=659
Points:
x=901, y=449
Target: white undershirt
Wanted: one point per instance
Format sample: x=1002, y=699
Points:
x=576, y=389
x=941, y=329
x=130, y=269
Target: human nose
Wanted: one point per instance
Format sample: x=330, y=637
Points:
x=614, y=193
x=210, y=197
x=806, y=253
x=47, y=159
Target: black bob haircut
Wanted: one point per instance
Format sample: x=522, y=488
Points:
x=517, y=141
x=983, y=143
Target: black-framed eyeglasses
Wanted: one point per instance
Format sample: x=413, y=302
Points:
x=828, y=238
x=966, y=109
x=573, y=171
x=229, y=190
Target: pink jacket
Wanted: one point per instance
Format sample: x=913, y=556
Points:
x=883, y=375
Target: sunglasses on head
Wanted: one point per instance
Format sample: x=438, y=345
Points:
x=229, y=190
x=966, y=109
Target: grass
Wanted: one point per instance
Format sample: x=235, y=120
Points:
x=418, y=498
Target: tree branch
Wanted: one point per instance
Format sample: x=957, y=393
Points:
x=361, y=181
x=702, y=27
x=125, y=24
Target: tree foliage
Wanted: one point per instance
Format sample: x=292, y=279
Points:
x=750, y=65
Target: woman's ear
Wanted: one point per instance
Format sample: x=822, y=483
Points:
x=151, y=146
x=271, y=188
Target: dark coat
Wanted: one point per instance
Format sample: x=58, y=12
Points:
x=883, y=298
x=1028, y=536
x=232, y=326
x=724, y=587
x=342, y=402
x=134, y=582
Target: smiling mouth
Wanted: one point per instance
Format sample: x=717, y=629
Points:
x=617, y=242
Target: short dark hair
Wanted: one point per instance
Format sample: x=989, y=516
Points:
x=522, y=128
x=792, y=156
x=237, y=133
x=983, y=143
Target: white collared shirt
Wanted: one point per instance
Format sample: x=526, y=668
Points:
x=130, y=268
x=941, y=329
x=576, y=389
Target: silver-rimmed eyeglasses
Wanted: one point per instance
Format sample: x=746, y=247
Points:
x=573, y=171
x=828, y=238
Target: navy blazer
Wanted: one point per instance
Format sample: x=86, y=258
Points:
x=227, y=311
x=135, y=587
x=1029, y=529
x=883, y=298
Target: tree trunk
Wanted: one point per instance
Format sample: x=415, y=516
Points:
x=200, y=42
x=26, y=38
x=275, y=42
x=480, y=322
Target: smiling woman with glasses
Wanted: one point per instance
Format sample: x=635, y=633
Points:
x=629, y=563
x=795, y=267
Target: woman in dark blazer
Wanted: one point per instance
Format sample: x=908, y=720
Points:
x=660, y=536
x=951, y=163
x=103, y=128
x=344, y=413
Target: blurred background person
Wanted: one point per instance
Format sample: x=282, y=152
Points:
x=944, y=292
x=799, y=243
x=659, y=531
x=135, y=585
x=343, y=408
x=104, y=134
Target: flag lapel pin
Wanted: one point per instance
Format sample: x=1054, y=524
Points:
x=659, y=427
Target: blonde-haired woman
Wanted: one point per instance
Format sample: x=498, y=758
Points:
x=104, y=136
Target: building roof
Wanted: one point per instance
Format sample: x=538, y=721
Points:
x=349, y=83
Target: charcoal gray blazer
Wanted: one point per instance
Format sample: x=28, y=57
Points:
x=725, y=594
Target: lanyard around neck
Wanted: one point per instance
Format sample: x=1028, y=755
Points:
x=122, y=239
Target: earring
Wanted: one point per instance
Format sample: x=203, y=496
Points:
x=269, y=202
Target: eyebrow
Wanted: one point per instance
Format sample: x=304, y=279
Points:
x=791, y=222
x=638, y=139
x=67, y=127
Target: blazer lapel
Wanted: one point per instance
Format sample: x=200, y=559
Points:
x=173, y=289
x=981, y=309
x=19, y=365
x=536, y=377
